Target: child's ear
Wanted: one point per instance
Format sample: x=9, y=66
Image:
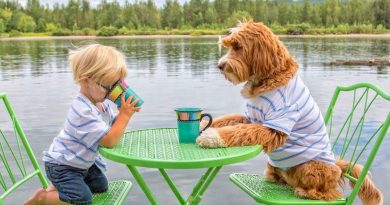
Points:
x=85, y=82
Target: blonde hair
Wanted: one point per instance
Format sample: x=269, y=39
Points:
x=104, y=64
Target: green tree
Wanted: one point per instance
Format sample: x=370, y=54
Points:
x=283, y=13
x=130, y=16
x=148, y=14
x=249, y=6
x=34, y=9
x=211, y=16
x=233, y=6
x=330, y=12
x=13, y=5
x=381, y=9
x=294, y=11
x=73, y=15
x=139, y=14
x=41, y=25
x=222, y=9
x=13, y=22
x=306, y=11
x=87, y=18
x=261, y=11
x=56, y=16
x=6, y=16
x=25, y=23
x=194, y=13
x=107, y=13
x=171, y=14
x=355, y=12
x=2, y=26
x=315, y=15
x=237, y=16
x=273, y=12
x=50, y=27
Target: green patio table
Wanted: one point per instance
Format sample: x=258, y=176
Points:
x=159, y=148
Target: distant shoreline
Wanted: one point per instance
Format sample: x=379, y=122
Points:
x=385, y=36
x=102, y=37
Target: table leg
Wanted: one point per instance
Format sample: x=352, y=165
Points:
x=198, y=185
x=172, y=186
x=142, y=184
x=202, y=185
x=196, y=194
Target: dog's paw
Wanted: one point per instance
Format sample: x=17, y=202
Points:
x=210, y=138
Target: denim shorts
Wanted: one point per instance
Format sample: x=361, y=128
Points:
x=74, y=185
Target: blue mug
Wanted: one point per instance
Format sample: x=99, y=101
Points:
x=188, y=123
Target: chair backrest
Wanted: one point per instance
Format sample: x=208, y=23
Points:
x=357, y=126
x=17, y=161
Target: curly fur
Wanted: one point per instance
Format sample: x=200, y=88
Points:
x=314, y=179
x=368, y=192
x=256, y=56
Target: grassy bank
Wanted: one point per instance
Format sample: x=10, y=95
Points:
x=291, y=29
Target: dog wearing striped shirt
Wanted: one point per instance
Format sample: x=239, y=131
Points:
x=281, y=116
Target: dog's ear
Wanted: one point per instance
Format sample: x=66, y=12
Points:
x=267, y=51
x=229, y=41
x=226, y=41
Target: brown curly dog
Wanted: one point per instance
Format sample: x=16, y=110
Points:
x=281, y=116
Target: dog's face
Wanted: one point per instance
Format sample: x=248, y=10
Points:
x=253, y=51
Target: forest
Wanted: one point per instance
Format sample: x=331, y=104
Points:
x=194, y=17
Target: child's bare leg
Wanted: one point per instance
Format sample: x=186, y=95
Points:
x=34, y=198
x=52, y=197
x=51, y=188
x=45, y=197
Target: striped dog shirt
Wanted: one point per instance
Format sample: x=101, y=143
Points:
x=292, y=110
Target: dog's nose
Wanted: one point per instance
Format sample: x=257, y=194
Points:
x=221, y=66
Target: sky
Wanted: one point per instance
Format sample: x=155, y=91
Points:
x=159, y=3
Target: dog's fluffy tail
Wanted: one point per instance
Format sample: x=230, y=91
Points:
x=369, y=194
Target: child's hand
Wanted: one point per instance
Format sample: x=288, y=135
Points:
x=127, y=107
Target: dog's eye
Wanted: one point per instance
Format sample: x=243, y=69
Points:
x=236, y=46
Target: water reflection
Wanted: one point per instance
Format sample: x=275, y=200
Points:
x=333, y=49
x=382, y=70
x=172, y=54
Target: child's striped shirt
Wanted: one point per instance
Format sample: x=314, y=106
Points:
x=77, y=143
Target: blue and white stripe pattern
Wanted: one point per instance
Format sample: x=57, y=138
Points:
x=77, y=143
x=292, y=110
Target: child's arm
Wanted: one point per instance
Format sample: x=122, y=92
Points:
x=126, y=111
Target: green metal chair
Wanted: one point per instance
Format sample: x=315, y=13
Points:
x=357, y=134
x=16, y=168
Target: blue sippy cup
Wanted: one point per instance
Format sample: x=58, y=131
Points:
x=118, y=89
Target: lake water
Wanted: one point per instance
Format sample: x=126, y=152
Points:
x=170, y=73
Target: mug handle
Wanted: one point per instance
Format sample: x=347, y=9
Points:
x=208, y=124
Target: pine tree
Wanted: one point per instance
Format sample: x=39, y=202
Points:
x=171, y=14
x=381, y=9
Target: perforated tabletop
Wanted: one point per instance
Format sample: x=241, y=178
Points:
x=159, y=148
